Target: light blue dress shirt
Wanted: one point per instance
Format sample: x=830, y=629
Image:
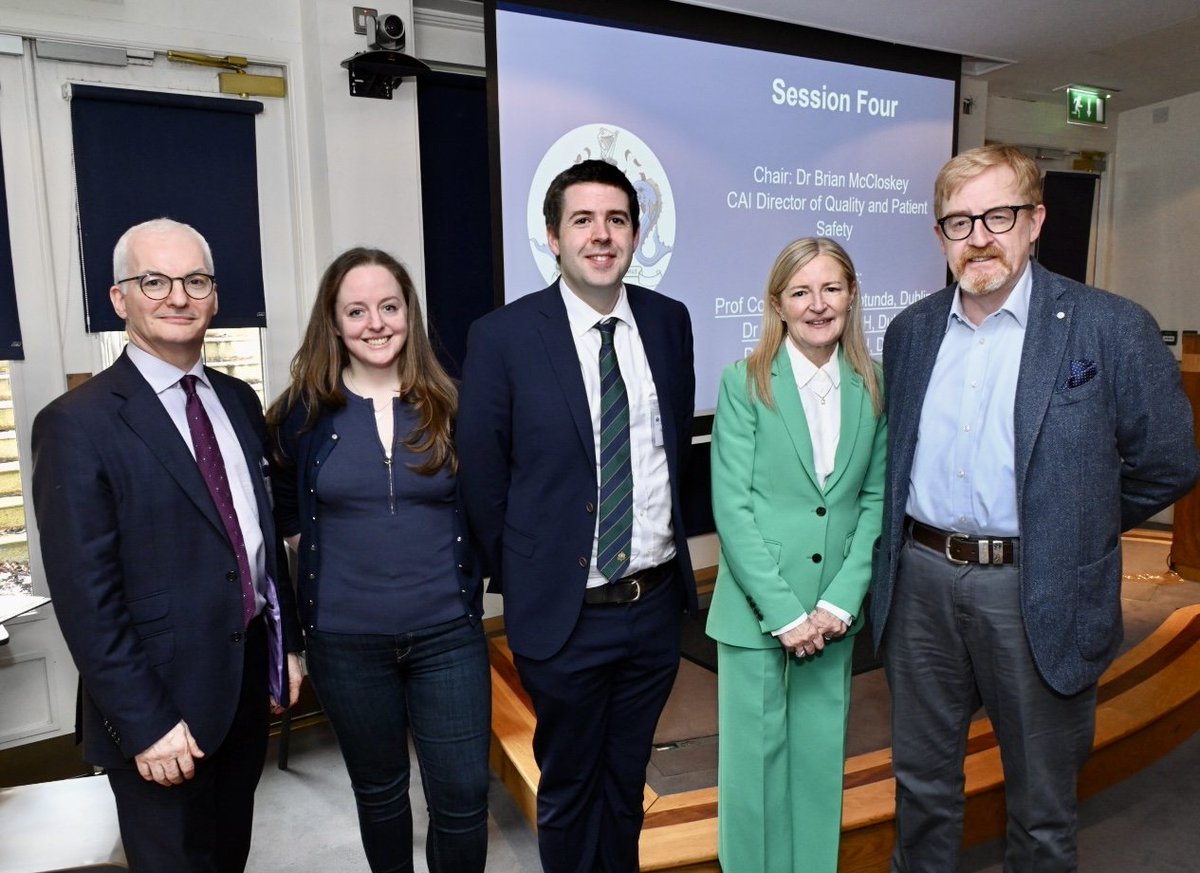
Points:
x=963, y=474
x=164, y=380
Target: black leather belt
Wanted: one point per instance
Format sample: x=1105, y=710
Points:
x=963, y=549
x=629, y=589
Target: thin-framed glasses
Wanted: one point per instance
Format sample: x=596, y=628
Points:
x=156, y=286
x=1001, y=219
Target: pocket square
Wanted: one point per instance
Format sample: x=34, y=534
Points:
x=1082, y=371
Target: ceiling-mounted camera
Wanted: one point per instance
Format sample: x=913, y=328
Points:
x=389, y=33
x=375, y=73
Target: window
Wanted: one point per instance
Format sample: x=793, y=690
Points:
x=234, y=351
x=14, y=545
x=237, y=352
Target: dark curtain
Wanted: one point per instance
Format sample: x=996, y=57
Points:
x=1063, y=245
x=143, y=154
x=456, y=205
x=10, y=327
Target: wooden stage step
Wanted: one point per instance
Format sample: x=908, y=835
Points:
x=1148, y=703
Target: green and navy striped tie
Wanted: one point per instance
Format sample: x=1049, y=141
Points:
x=616, y=471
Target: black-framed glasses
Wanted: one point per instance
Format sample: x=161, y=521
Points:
x=1001, y=219
x=156, y=286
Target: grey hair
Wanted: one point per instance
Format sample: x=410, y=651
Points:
x=154, y=225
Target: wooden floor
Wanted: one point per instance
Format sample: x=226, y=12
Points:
x=1148, y=703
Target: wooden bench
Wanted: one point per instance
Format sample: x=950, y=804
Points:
x=1148, y=703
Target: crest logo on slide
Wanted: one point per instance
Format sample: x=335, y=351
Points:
x=656, y=202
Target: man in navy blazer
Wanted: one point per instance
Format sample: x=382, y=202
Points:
x=1031, y=420
x=594, y=631
x=178, y=660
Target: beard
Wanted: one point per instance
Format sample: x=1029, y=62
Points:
x=980, y=283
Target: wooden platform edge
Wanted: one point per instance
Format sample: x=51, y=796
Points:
x=1149, y=703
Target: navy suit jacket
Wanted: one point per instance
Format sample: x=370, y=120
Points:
x=143, y=575
x=1103, y=440
x=527, y=465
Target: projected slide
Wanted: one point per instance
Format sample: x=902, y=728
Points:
x=734, y=152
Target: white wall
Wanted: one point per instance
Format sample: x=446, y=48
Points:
x=365, y=174
x=972, y=126
x=1025, y=122
x=450, y=34
x=1152, y=254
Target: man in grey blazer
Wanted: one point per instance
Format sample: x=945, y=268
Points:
x=1031, y=420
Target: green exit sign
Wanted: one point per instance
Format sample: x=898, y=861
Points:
x=1085, y=106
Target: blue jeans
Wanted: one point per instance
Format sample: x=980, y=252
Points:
x=434, y=683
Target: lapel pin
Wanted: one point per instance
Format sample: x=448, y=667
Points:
x=1060, y=315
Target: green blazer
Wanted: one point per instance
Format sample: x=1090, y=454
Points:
x=785, y=542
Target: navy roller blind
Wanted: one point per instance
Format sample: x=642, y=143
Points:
x=458, y=240
x=146, y=154
x=10, y=328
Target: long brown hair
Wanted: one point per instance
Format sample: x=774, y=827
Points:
x=317, y=366
x=794, y=256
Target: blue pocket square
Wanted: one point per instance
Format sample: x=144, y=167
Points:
x=1082, y=371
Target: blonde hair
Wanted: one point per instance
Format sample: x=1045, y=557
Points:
x=961, y=169
x=794, y=256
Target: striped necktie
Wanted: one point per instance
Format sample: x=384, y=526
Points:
x=615, y=535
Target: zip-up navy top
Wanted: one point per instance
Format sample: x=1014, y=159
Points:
x=383, y=549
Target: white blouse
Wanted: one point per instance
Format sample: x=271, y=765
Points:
x=821, y=396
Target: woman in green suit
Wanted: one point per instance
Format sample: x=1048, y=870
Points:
x=797, y=482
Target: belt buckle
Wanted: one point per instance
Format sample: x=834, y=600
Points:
x=950, y=538
x=637, y=591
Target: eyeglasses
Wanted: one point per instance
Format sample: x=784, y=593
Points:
x=156, y=286
x=1002, y=219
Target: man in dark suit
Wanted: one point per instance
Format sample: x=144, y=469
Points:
x=160, y=552
x=573, y=429
x=1031, y=420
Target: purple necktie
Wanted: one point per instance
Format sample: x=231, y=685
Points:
x=212, y=468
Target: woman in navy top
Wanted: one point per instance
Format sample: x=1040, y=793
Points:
x=390, y=596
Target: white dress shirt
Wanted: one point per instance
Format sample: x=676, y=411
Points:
x=821, y=396
x=164, y=379
x=653, y=540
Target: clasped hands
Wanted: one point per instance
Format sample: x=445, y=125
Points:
x=172, y=759
x=810, y=636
